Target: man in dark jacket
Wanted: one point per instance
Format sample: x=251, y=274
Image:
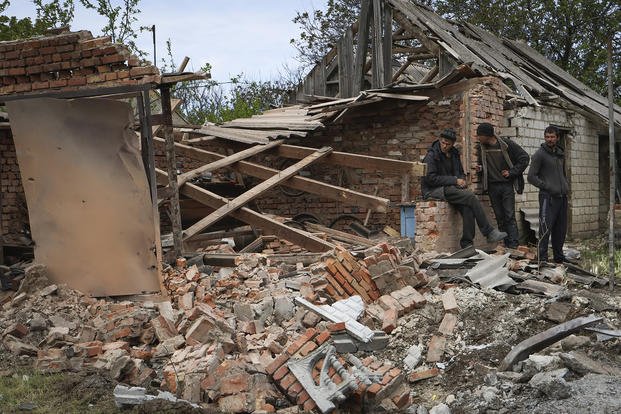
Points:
x=547, y=172
x=445, y=180
x=502, y=163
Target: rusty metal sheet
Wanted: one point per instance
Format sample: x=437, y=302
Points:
x=88, y=197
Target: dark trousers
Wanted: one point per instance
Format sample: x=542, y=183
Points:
x=552, y=222
x=471, y=210
x=502, y=198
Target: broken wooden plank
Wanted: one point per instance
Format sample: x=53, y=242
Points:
x=362, y=46
x=417, y=98
x=366, y=162
x=345, y=48
x=338, y=235
x=377, y=51
x=250, y=123
x=308, y=185
x=543, y=339
x=224, y=162
x=255, y=192
x=257, y=220
x=171, y=164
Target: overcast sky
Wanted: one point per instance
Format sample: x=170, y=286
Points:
x=234, y=36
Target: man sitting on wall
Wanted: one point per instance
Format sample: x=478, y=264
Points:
x=445, y=180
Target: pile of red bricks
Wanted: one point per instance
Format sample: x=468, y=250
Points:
x=69, y=61
x=346, y=277
x=390, y=386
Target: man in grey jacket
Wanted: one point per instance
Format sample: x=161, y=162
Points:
x=547, y=172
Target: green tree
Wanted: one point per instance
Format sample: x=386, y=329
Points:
x=571, y=33
x=121, y=19
x=320, y=30
x=217, y=102
x=50, y=14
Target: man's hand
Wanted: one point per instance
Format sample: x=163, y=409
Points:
x=461, y=183
x=478, y=168
x=505, y=173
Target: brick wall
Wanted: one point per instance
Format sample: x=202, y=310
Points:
x=439, y=227
x=69, y=61
x=398, y=130
x=64, y=62
x=14, y=214
x=582, y=155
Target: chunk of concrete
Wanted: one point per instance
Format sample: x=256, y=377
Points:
x=575, y=341
x=284, y=309
x=581, y=364
x=440, y=409
x=552, y=383
x=413, y=357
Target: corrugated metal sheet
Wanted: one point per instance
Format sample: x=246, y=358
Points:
x=491, y=271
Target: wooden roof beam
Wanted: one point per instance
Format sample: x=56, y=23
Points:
x=415, y=31
x=225, y=162
x=366, y=162
x=364, y=21
x=308, y=185
x=253, y=193
x=269, y=225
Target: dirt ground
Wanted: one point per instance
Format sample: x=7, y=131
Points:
x=490, y=323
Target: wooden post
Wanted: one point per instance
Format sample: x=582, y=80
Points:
x=361, y=46
x=378, y=56
x=405, y=188
x=613, y=172
x=148, y=158
x=171, y=164
x=387, y=44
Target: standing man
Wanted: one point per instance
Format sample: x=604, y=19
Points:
x=502, y=163
x=445, y=180
x=547, y=172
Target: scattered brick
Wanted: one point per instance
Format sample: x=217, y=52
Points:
x=449, y=302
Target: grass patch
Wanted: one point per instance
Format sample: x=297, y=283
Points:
x=52, y=394
x=596, y=259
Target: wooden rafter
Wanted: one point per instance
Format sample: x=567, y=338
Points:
x=308, y=185
x=356, y=160
x=362, y=45
x=299, y=237
x=225, y=162
x=255, y=192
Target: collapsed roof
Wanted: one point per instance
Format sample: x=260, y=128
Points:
x=451, y=51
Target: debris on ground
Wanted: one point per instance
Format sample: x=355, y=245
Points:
x=372, y=329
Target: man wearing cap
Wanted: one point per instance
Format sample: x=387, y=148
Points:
x=445, y=180
x=502, y=164
x=547, y=172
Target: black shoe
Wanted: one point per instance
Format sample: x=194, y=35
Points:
x=565, y=260
x=496, y=236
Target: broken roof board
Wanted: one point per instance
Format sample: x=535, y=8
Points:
x=483, y=51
